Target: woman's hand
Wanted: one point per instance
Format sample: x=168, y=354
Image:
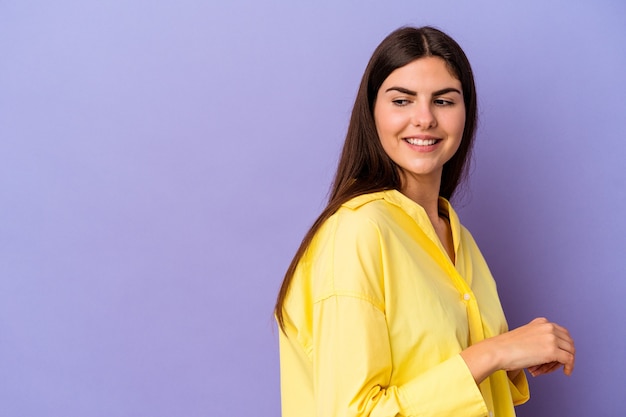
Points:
x=541, y=346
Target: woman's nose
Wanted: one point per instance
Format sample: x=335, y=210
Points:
x=422, y=116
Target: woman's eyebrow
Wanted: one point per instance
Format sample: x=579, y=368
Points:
x=413, y=93
x=446, y=91
x=402, y=90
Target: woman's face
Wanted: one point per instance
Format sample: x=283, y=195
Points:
x=420, y=115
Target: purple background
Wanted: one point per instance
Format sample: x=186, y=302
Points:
x=162, y=159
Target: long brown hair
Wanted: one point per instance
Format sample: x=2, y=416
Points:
x=364, y=167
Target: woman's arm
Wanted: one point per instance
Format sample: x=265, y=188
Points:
x=353, y=369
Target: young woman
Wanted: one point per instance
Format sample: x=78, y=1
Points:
x=388, y=307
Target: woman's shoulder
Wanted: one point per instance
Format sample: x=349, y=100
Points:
x=364, y=200
x=389, y=209
x=364, y=214
x=357, y=223
x=356, y=219
x=372, y=206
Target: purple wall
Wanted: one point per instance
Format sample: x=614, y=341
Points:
x=161, y=161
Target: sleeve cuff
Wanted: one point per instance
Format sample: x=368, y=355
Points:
x=520, y=392
x=448, y=389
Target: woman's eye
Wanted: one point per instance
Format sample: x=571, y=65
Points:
x=442, y=102
x=400, y=102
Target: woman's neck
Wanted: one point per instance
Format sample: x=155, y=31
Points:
x=425, y=193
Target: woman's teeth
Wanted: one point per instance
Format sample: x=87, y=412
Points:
x=421, y=142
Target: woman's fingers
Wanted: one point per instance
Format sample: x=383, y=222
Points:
x=565, y=337
x=546, y=368
x=563, y=348
x=568, y=350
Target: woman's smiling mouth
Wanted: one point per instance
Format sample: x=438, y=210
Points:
x=422, y=142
